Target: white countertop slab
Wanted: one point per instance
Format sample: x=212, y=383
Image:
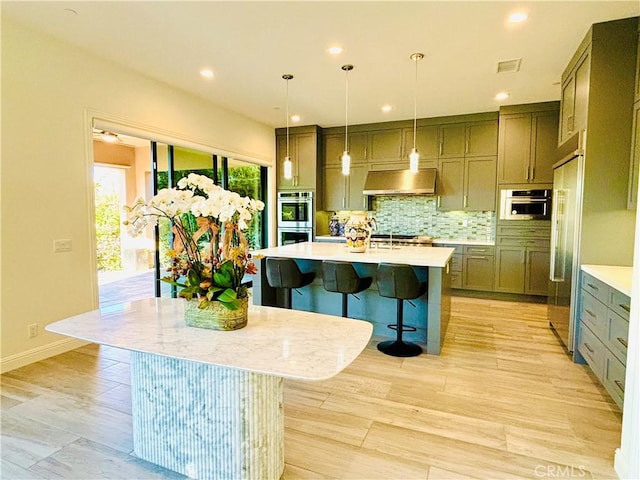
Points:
x=616, y=277
x=285, y=343
x=416, y=256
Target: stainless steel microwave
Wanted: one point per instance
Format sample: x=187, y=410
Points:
x=525, y=204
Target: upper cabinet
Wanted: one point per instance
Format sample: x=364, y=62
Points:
x=528, y=138
x=469, y=139
x=427, y=142
x=575, y=95
x=334, y=148
x=467, y=184
x=634, y=170
x=305, y=152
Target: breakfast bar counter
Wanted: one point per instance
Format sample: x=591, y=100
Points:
x=428, y=313
x=208, y=403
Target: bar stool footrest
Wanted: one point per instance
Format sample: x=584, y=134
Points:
x=399, y=349
x=405, y=328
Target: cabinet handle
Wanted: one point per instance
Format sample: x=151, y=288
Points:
x=589, y=347
x=365, y=153
x=466, y=145
x=438, y=206
x=527, y=172
x=626, y=308
x=590, y=313
x=464, y=204
x=533, y=173
x=619, y=384
x=440, y=148
x=592, y=286
x=344, y=202
x=622, y=341
x=477, y=257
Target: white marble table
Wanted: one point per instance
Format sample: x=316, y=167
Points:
x=208, y=404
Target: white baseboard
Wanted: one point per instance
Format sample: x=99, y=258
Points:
x=39, y=353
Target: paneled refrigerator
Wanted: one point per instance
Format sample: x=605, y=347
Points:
x=565, y=240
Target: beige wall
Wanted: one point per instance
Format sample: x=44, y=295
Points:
x=51, y=93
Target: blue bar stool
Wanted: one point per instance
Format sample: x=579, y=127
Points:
x=284, y=273
x=400, y=282
x=342, y=278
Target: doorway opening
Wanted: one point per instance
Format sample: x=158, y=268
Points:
x=130, y=268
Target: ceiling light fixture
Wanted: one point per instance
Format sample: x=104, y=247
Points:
x=206, y=73
x=386, y=108
x=336, y=50
x=502, y=96
x=346, y=158
x=287, y=165
x=518, y=17
x=295, y=118
x=109, y=137
x=414, y=156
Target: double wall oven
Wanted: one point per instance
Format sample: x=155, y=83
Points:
x=295, y=217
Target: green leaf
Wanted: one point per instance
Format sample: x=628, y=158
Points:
x=223, y=279
x=212, y=291
x=194, y=278
x=227, y=296
x=170, y=281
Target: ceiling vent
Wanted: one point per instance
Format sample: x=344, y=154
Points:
x=509, y=66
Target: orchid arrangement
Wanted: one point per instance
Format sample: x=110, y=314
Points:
x=203, y=265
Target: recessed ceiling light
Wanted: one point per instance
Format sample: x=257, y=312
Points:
x=386, y=108
x=295, y=118
x=206, y=73
x=335, y=50
x=518, y=17
x=502, y=96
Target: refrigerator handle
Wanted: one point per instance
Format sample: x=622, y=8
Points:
x=554, y=239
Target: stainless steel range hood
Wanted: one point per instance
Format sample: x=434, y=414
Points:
x=401, y=182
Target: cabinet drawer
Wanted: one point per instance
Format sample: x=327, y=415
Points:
x=520, y=231
x=594, y=314
x=479, y=250
x=523, y=242
x=614, y=373
x=595, y=287
x=456, y=262
x=592, y=350
x=617, y=334
x=619, y=303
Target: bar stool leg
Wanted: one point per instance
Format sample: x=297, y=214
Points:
x=398, y=348
x=287, y=298
x=345, y=302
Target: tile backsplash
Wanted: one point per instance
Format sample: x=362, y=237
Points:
x=411, y=215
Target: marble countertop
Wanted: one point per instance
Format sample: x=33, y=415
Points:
x=450, y=241
x=616, y=277
x=416, y=256
x=285, y=343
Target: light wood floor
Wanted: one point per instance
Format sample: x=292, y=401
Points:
x=503, y=401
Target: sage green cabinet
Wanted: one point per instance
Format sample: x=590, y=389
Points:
x=469, y=139
x=305, y=157
x=334, y=148
x=522, y=260
x=467, y=184
x=427, y=142
x=634, y=163
x=575, y=97
x=478, y=268
x=344, y=192
x=385, y=145
x=527, y=147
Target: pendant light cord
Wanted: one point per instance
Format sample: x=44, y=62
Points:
x=346, y=109
x=415, y=104
x=287, y=118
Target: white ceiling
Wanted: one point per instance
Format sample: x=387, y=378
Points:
x=249, y=45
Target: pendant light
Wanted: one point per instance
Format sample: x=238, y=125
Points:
x=346, y=158
x=414, y=156
x=288, y=166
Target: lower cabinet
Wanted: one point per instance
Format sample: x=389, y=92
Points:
x=471, y=267
x=603, y=332
x=477, y=270
x=522, y=259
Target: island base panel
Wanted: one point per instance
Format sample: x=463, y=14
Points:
x=205, y=421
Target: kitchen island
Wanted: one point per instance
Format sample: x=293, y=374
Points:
x=208, y=403
x=429, y=313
